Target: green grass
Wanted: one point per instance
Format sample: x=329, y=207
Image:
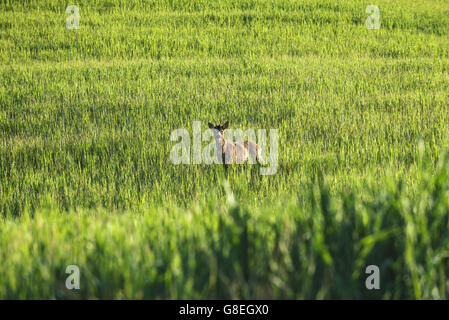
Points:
x=86, y=117
x=292, y=249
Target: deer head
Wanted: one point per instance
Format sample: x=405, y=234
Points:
x=219, y=131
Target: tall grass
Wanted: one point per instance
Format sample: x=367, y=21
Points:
x=317, y=247
x=85, y=171
x=86, y=115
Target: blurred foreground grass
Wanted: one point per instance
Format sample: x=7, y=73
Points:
x=318, y=247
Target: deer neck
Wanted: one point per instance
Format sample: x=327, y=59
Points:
x=221, y=143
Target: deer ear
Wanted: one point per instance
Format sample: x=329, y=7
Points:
x=211, y=126
x=225, y=126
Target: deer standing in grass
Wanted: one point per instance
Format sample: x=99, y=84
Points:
x=238, y=152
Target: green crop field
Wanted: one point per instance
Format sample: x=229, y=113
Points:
x=86, y=117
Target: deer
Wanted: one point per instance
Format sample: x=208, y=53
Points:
x=234, y=151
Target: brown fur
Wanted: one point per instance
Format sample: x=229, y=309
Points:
x=237, y=152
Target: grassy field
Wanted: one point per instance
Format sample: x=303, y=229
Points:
x=85, y=172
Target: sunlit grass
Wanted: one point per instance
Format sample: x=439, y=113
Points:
x=86, y=117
